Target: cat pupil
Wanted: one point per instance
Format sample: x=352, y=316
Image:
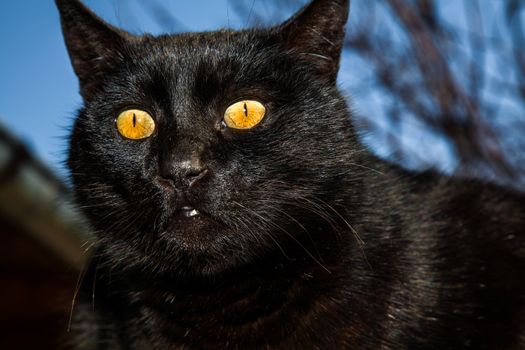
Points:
x=245, y=110
x=134, y=119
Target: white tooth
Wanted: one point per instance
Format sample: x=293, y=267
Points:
x=193, y=212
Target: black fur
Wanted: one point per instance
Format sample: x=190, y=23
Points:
x=305, y=239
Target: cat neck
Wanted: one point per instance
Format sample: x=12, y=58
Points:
x=249, y=303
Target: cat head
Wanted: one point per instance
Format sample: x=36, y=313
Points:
x=201, y=151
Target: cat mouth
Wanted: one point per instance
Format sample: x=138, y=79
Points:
x=193, y=228
x=188, y=212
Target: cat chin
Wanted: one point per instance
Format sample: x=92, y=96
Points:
x=203, y=260
x=175, y=257
x=194, y=231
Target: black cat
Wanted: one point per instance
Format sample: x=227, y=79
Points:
x=236, y=209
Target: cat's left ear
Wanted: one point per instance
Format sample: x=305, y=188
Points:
x=316, y=34
x=94, y=46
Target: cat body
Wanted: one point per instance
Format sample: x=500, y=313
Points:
x=288, y=235
x=420, y=281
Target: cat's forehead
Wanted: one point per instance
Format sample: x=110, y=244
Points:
x=203, y=65
x=190, y=47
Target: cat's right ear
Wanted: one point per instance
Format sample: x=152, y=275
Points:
x=94, y=46
x=316, y=34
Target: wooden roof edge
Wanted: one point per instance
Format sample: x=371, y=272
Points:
x=34, y=198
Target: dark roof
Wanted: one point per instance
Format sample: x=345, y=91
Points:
x=35, y=199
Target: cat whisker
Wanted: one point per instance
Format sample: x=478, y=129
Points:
x=360, y=241
x=249, y=13
x=313, y=208
x=80, y=279
x=93, y=288
x=272, y=207
x=344, y=220
x=321, y=36
x=288, y=234
x=364, y=167
x=317, y=55
x=85, y=244
x=269, y=234
x=318, y=203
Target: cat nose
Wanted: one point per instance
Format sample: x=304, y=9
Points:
x=183, y=174
x=191, y=172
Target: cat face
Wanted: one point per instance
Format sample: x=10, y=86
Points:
x=196, y=191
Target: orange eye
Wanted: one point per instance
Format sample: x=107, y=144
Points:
x=135, y=124
x=244, y=114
